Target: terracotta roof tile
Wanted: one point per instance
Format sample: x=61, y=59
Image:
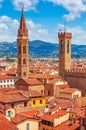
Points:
x=80, y=111
x=55, y=80
x=69, y=90
x=62, y=86
x=5, y=90
x=30, y=114
x=5, y=124
x=43, y=76
x=51, y=117
x=5, y=76
x=11, y=97
x=67, y=125
x=25, y=116
x=31, y=81
x=18, y=118
x=35, y=94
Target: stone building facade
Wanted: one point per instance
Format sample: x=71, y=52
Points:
x=22, y=40
x=75, y=78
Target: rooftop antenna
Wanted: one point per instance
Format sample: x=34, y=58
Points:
x=22, y=6
x=59, y=30
x=64, y=26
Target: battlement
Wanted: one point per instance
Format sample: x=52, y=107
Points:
x=76, y=72
x=64, y=35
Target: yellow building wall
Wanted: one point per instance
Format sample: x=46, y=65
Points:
x=33, y=125
x=37, y=102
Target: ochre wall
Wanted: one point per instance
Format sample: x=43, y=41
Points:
x=37, y=102
x=38, y=88
x=77, y=80
x=32, y=124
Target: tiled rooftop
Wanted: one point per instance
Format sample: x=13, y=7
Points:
x=5, y=124
x=51, y=117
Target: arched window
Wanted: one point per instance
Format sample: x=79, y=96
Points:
x=19, y=61
x=24, y=61
x=24, y=73
x=68, y=46
x=19, y=49
x=19, y=73
x=24, y=49
x=62, y=46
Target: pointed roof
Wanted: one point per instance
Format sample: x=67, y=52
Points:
x=22, y=31
x=22, y=22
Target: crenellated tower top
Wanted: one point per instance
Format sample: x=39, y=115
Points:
x=64, y=52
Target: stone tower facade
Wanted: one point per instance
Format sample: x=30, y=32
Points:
x=22, y=40
x=64, y=52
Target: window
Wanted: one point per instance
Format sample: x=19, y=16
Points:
x=62, y=46
x=25, y=104
x=24, y=49
x=9, y=113
x=40, y=101
x=68, y=46
x=27, y=126
x=24, y=73
x=24, y=61
x=19, y=73
x=48, y=93
x=50, y=124
x=12, y=105
x=19, y=49
x=4, y=81
x=34, y=102
x=7, y=80
x=19, y=61
x=1, y=81
x=41, y=91
x=1, y=86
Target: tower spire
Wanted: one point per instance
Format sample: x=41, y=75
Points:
x=22, y=21
x=22, y=40
x=22, y=31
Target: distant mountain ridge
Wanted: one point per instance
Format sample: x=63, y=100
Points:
x=38, y=49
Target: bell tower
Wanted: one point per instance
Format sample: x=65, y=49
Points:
x=64, y=52
x=22, y=40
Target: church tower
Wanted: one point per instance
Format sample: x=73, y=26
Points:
x=22, y=40
x=64, y=52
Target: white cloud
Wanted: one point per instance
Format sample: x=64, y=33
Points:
x=78, y=34
x=27, y=4
x=9, y=28
x=1, y=3
x=74, y=7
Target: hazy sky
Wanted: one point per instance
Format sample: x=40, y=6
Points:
x=44, y=18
